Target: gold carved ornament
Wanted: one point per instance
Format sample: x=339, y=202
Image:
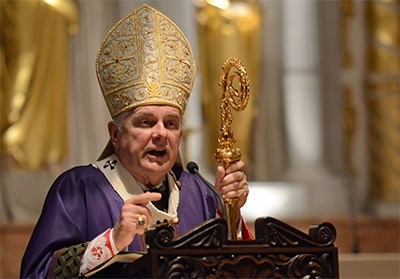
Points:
x=234, y=92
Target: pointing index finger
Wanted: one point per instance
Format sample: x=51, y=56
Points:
x=145, y=198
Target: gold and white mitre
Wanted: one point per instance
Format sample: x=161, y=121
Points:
x=145, y=59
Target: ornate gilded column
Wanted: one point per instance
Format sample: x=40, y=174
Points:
x=382, y=96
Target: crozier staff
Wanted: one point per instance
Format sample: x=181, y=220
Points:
x=145, y=67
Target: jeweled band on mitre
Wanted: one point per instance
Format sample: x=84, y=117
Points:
x=145, y=59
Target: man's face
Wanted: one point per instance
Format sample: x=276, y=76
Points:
x=148, y=142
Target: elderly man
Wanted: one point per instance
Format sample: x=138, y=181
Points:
x=146, y=69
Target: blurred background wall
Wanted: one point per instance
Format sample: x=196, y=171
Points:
x=320, y=137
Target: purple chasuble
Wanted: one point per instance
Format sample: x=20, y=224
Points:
x=81, y=204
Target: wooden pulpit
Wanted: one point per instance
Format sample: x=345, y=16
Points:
x=279, y=251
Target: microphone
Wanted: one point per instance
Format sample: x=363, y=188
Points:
x=192, y=167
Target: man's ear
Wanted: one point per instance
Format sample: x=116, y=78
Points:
x=113, y=131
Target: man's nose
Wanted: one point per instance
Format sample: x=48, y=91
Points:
x=159, y=131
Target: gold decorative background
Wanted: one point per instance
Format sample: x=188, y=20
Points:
x=382, y=97
x=35, y=80
x=228, y=31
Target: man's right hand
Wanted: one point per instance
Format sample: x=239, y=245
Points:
x=133, y=210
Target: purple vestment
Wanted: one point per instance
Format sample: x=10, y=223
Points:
x=81, y=204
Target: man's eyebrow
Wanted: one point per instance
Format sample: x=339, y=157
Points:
x=175, y=115
x=145, y=113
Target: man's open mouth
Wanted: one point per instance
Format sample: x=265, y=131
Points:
x=157, y=153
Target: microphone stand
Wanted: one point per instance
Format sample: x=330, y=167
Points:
x=192, y=167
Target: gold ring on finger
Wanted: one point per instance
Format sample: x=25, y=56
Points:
x=141, y=222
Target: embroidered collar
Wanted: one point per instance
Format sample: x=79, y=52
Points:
x=126, y=186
